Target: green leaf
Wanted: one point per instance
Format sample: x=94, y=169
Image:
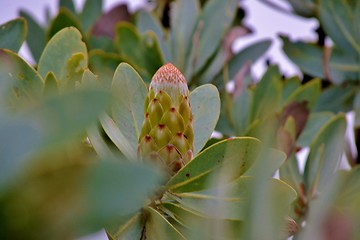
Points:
x=249, y=54
x=331, y=138
x=341, y=66
x=181, y=30
x=145, y=21
x=19, y=139
x=308, y=92
x=128, y=110
x=36, y=36
x=142, y=52
x=13, y=34
x=58, y=52
x=349, y=194
x=305, y=8
x=68, y=4
x=267, y=94
x=65, y=18
x=289, y=87
x=104, y=65
x=214, y=21
x=272, y=159
x=59, y=115
x=51, y=85
x=232, y=156
x=314, y=123
x=230, y=201
x=20, y=81
x=91, y=12
x=336, y=18
x=289, y=172
x=130, y=229
x=157, y=227
x=241, y=111
x=202, y=99
x=196, y=226
x=344, y=96
x=117, y=190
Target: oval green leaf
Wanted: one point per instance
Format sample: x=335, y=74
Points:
x=233, y=156
x=59, y=50
x=128, y=110
x=13, y=34
x=205, y=105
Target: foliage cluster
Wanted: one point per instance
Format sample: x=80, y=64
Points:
x=70, y=126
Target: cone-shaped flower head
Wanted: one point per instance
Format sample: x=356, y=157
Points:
x=167, y=134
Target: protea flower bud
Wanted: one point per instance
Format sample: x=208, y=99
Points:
x=167, y=134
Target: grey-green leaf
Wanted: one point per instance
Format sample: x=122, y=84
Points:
x=59, y=50
x=331, y=138
x=128, y=111
x=183, y=19
x=202, y=99
x=13, y=34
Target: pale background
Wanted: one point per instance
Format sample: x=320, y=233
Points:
x=264, y=21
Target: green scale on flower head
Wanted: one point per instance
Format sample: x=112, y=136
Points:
x=167, y=134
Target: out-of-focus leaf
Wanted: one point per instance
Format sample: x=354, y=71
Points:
x=181, y=30
x=336, y=18
x=145, y=21
x=273, y=159
x=128, y=110
x=59, y=115
x=117, y=190
x=229, y=201
x=249, y=54
x=142, y=52
x=321, y=168
x=290, y=173
x=202, y=99
x=130, y=229
x=307, y=8
x=158, y=227
x=90, y=13
x=103, y=65
x=314, y=123
x=20, y=80
x=289, y=86
x=19, y=139
x=193, y=225
x=341, y=66
x=242, y=111
x=309, y=93
x=35, y=37
x=349, y=192
x=267, y=94
x=214, y=21
x=105, y=25
x=13, y=34
x=268, y=208
x=232, y=157
x=58, y=52
x=68, y=4
x=64, y=19
x=344, y=96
